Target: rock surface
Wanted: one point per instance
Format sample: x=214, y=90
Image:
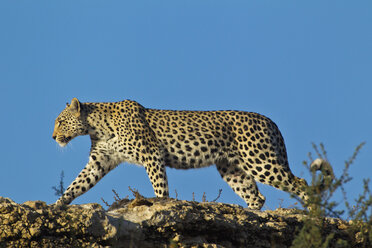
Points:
x=150, y=223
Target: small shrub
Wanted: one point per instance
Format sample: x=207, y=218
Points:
x=58, y=190
x=321, y=191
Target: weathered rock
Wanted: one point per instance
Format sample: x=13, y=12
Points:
x=150, y=222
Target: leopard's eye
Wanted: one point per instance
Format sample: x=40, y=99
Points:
x=59, y=123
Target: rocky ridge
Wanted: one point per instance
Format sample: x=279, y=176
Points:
x=151, y=222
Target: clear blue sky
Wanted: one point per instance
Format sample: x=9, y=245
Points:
x=306, y=65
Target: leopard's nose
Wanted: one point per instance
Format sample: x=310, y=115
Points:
x=54, y=134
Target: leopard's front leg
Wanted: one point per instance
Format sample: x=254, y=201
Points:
x=97, y=167
x=157, y=173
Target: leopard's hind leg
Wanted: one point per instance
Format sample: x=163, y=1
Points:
x=242, y=183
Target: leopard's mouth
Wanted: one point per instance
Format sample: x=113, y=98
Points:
x=63, y=140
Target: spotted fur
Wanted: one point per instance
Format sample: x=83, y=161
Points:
x=246, y=147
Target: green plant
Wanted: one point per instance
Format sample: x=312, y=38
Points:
x=321, y=192
x=360, y=215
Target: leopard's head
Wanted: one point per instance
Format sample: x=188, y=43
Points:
x=69, y=123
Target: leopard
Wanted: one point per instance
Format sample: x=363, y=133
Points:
x=245, y=147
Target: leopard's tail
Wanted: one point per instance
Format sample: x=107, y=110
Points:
x=323, y=184
x=323, y=165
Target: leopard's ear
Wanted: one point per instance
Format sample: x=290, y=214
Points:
x=74, y=107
